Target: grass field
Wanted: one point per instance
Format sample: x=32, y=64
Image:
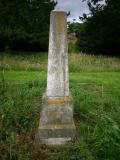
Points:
x=94, y=83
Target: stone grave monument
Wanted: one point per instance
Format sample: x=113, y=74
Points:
x=56, y=124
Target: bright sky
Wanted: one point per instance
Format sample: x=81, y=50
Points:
x=76, y=8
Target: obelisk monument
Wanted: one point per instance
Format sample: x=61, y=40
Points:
x=56, y=124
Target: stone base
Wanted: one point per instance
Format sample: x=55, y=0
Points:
x=56, y=124
x=56, y=134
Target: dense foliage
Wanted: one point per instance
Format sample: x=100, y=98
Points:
x=24, y=25
x=100, y=33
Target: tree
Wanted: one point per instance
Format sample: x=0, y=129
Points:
x=101, y=32
x=25, y=25
x=74, y=27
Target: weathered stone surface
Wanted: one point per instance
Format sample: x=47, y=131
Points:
x=56, y=124
x=57, y=78
x=57, y=110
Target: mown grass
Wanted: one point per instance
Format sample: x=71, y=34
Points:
x=96, y=95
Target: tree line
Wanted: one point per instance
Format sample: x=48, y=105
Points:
x=24, y=24
x=100, y=31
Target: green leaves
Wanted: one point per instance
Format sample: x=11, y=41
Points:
x=100, y=33
x=22, y=24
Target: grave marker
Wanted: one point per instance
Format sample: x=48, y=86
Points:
x=56, y=124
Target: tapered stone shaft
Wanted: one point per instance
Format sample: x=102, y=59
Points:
x=57, y=79
x=56, y=124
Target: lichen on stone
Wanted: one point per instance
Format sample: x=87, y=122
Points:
x=58, y=100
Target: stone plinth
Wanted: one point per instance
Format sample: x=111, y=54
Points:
x=56, y=124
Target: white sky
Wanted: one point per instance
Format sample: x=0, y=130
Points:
x=76, y=8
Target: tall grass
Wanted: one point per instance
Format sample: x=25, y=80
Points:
x=96, y=115
x=94, y=83
x=19, y=117
x=77, y=62
x=29, y=62
x=84, y=62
